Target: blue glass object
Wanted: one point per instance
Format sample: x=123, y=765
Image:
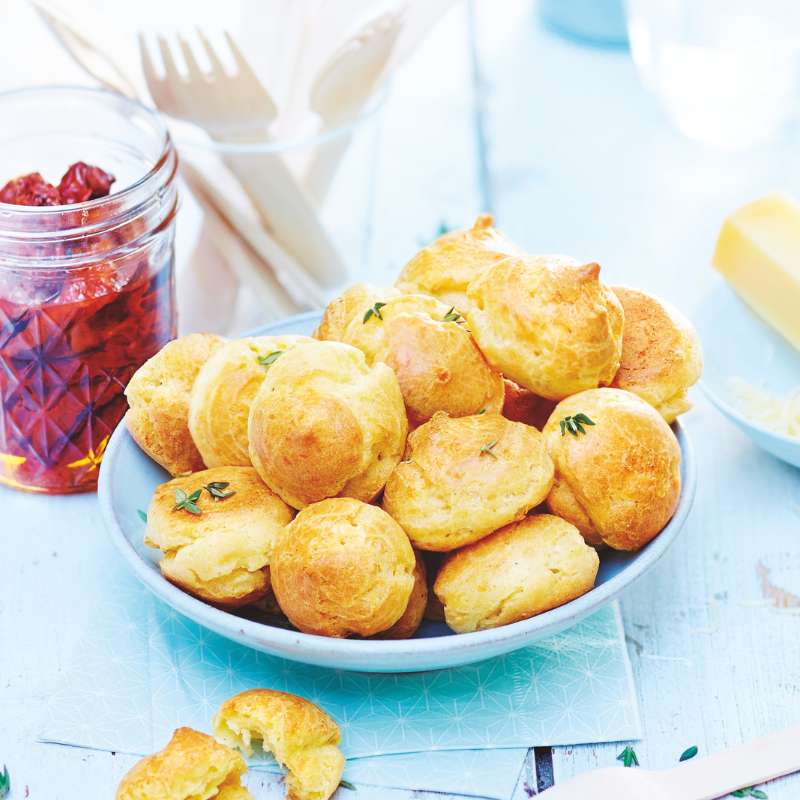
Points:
x=600, y=23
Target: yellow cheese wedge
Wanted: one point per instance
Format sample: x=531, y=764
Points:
x=758, y=252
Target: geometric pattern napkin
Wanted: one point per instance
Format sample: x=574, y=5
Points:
x=146, y=670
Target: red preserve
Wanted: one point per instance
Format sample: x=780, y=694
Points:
x=86, y=296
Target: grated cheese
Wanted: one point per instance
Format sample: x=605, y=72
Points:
x=778, y=413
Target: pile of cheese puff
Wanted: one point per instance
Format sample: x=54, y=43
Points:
x=459, y=445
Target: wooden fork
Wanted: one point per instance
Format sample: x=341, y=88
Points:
x=237, y=109
x=699, y=779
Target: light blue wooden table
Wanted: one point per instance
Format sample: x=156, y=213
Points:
x=571, y=155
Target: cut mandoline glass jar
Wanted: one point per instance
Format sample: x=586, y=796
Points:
x=86, y=290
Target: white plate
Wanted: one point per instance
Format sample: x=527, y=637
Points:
x=737, y=343
x=127, y=481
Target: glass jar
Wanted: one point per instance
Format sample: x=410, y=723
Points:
x=86, y=290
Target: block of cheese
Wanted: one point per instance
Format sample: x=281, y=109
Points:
x=758, y=252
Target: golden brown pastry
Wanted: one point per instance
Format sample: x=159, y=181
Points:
x=343, y=567
x=515, y=573
x=412, y=617
x=522, y=405
x=158, y=396
x=325, y=423
x=301, y=736
x=661, y=354
x=220, y=400
x=192, y=766
x=437, y=363
x=619, y=481
x=463, y=478
x=466, y=477
x=220, y=555
x=352, y=304
x=445, y=267
x=547, y=323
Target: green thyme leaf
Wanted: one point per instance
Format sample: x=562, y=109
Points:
x=217, y=490
x=374, y=311
x=269, y=358
x=574, y=424
x=482, y=411
x=188, y=502
x=689, y=752
x=454, y=316
x=5, y=783
x=489, y=449
x=761, y=795
x=142, y=515
x=347, y=785
x=442, y=229
x=750, y=791
x=628, y=757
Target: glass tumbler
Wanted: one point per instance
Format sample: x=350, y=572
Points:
x=727, y=72
x=87, y=289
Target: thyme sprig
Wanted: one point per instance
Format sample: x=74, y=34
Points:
x=374, y=311
x=488, y=449
x=628, y=757
x=454, y=316
x=188, y=502
x=217, y=490
x=574, y=424
x=689, y=752
x=5, y=783
x=750, y=791
x=270, y=358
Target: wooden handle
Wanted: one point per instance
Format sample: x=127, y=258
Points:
x=323, y=166
x=206, y=286
x=749, y=764
x=303, y=290
x=289, y=214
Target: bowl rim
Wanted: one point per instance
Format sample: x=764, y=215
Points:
x=312, y=648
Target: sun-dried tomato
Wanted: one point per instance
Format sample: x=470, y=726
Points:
x=72, y=337
x=81, y=182
x=30, y=190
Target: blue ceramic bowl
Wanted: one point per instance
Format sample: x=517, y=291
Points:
x=738, y=344
x=127, y=481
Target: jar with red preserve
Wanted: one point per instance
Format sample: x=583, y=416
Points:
x=86, y=275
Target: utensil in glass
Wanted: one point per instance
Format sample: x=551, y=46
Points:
x=286, y=288
x=342, y=88
x=236, y=108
